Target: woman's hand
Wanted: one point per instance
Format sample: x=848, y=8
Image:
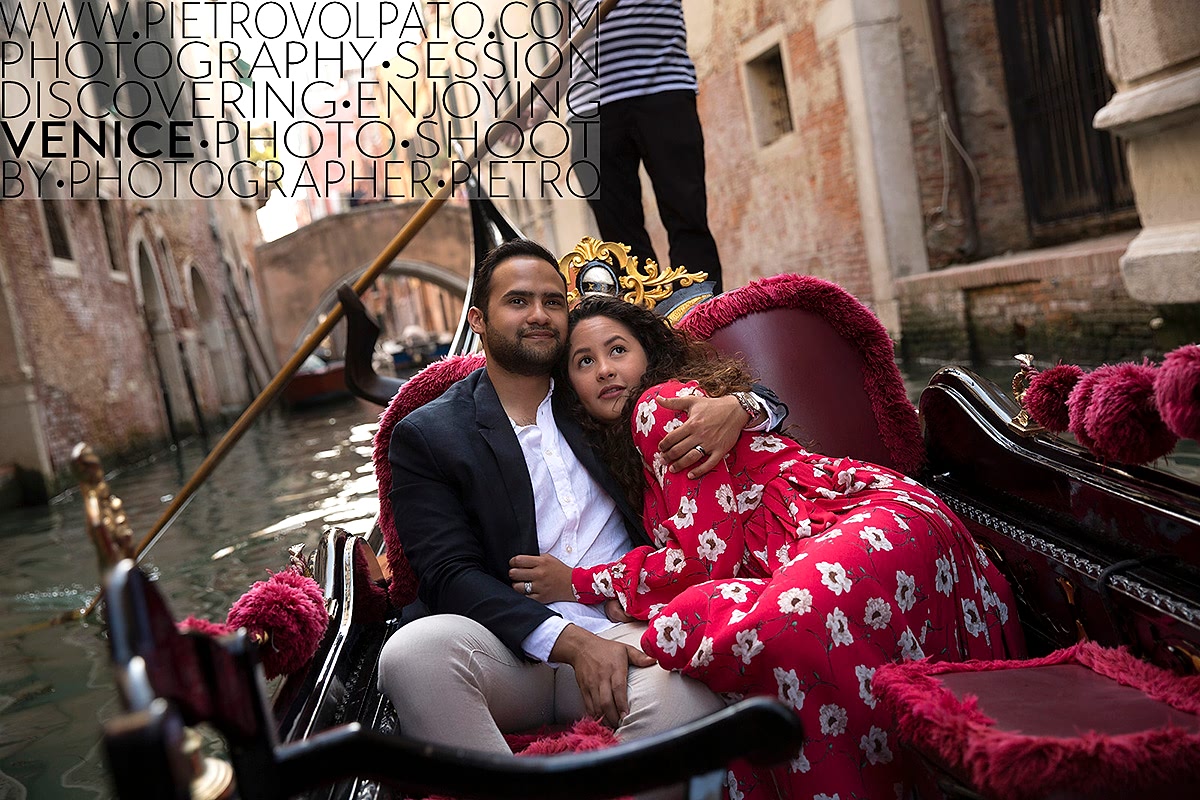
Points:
x=713, y=425
x=614, y=611
x=544, y=578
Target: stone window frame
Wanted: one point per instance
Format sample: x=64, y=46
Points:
x=118, y=270
x=65, y=267
x=752, y=51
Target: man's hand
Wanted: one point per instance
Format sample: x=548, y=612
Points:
x=601, y=670
x=547, y=579
x=713, y=424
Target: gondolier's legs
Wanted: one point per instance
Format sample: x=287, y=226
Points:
x=661, y=132
x=453, y=682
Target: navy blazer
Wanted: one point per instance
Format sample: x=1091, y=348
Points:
x=463, y=504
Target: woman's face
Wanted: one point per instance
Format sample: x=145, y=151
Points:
x=606, y=362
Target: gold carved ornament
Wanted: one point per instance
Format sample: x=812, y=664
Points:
x=1022, y=422
x=644, y=287
x=104, y=514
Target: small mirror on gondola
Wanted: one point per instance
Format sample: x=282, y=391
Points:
x=597, y=278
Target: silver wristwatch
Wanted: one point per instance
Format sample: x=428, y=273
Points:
x=750, y=404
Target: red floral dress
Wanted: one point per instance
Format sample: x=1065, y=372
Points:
x=787, y=573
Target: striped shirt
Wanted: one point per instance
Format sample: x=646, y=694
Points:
x=641, y=49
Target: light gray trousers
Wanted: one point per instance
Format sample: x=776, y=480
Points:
x=453, y=682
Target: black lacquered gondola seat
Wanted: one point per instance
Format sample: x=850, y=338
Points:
x=168, y=679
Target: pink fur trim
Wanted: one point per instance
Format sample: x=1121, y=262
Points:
x=854, y=322
x=1047, y=396
x=197, y=625
x=426, y=385
x=585, y=734
x=1077, y=405
x=1122, y=418
x=290, y=609
x=1013, y=765
x=1177, y=391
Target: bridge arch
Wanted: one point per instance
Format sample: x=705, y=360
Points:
x=441, y=277
x=299, y=273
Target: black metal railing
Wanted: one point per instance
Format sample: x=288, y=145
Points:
x=1056, y=82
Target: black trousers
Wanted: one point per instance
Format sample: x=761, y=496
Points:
x=663, y=132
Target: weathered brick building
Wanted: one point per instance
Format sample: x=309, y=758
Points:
x=938, y=158
x=124, y=322
x=141, y=333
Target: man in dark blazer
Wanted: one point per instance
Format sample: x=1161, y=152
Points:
x=493, y=469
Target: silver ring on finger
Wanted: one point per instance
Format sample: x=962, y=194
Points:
x=528, y=587
x=703, y=452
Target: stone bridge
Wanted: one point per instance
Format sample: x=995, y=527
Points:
x=299, y=273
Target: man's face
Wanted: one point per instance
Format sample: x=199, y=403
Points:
x=526, y=323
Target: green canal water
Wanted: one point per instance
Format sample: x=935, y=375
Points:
x=289, y=476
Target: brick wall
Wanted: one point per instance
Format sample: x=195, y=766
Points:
x=89, y=361
x=1065, y=303
x=980, y=92
x=84, y=335
x=791, y=206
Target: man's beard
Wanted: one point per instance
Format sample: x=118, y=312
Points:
x=521, y=357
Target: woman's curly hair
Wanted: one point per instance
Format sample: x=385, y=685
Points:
x=670, y=354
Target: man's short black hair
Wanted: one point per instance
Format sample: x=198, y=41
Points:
x=510, y=249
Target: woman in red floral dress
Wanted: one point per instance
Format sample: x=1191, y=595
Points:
x=781, y=572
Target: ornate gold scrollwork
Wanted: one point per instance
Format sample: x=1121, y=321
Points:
x=645, y=287
x=1022, y=422
x=104, y=513
x=298, y=562
x=654, y=284
x=1068, y=590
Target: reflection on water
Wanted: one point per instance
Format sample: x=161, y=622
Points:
x=289, y=476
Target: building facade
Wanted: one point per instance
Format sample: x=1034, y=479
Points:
x=940, y=160
x=125, y=322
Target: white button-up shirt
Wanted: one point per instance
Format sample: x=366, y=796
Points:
x=577, y=522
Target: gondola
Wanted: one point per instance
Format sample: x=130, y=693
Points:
x=1095, y=551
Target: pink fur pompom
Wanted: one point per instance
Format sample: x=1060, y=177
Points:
x=1077, y=404
x=1046, y=398
x=1122, y=419
x=290, y=609
x=1177, y=391
x=197, y=625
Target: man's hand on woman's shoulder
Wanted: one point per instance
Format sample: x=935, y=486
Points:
x=710, y=431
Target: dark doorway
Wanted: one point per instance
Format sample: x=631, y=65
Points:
x=1073, y=175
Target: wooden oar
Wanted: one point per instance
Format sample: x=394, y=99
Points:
x=381, y=262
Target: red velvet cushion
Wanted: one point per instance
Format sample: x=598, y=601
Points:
x=828, y=357
x=1082, y=722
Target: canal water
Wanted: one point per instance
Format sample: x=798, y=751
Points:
x=288, y=477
